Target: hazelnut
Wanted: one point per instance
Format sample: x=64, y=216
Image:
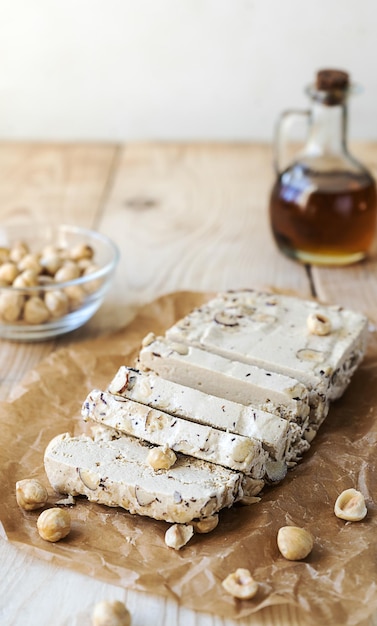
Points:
x=113, y=613
x=350, y=505
x=92, y=285
x=8, y=272
x=4, y=254
x=84, y=264
x=242, y=451
x=178, y=535
x=240, y=584
x=76, y=296
x=18, y=251
x=248, y=500
x=11, y=305
x=51, y=249
x=206, y=525
x=57, y=303
x=294, y=543
x=30, y=262
x=69, y=271
x=35, y=311
x=318, y=324
x=51, y=263
x=81, y=251
x=30, y=494
x=179, y=348
x=161, y=457
x=54, y=524
x=28, y=278
x=148, y=339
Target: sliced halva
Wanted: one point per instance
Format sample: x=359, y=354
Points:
x=181, y=435
x=235, y=381
x=271, y=331
x=222, y=377
x=283, y=440
x=116, y=473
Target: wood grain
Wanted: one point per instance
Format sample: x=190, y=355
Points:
x=193, y=217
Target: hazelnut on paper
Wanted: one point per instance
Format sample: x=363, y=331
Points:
x=240, y=584
x=350, y=506
x=107, y=613
x=30, y=494
x=294, y=543
x=54, y=524
x=178, y=535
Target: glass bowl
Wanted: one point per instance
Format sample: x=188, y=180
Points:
x=52, y=279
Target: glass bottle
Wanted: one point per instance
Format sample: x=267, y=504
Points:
x=323, y=205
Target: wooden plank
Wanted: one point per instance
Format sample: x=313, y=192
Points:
x=16, y=360
x=193, y=217
x=37, y=588
x=53, y=183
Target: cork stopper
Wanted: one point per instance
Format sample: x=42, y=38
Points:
x=331, y=87
x=328, y=80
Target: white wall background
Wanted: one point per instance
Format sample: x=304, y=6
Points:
x=176, y=69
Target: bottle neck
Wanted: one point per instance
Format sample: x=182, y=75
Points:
x=328, y=130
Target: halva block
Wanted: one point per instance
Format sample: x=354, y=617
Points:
x=271, y=331
x=115, y=473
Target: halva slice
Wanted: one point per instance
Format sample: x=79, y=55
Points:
x=272, y=331
x=238, y=382
x=181, y=435
x=282, y=440
x=219, y=376
x=115, y=473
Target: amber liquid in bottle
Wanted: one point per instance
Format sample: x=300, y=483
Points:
x=321, y=217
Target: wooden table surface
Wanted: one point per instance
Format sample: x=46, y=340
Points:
x=190, y=217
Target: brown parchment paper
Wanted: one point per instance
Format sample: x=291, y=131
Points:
x=336, y=584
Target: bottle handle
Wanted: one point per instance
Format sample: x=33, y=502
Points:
x=283, y=127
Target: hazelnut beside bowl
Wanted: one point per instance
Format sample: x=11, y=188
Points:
x=52, y=279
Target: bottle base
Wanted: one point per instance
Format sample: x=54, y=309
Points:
x=312, y=258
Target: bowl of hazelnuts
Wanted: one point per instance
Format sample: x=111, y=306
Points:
x=52, y=279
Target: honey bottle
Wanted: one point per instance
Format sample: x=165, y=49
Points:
x=323, y=206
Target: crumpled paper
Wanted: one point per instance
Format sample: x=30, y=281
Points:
x=336, y=584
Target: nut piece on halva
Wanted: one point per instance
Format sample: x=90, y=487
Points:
x=205, y=525
x=350, y=505
x=178, y=535
x=30, y=494
x=241, y=584
x=318, y=324
x=161, y=457
x=294, y=543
